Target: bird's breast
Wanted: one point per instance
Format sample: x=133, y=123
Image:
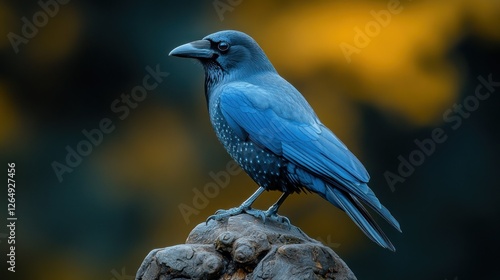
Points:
x=263, y=166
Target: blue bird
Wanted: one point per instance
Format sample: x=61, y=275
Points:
x=272, y=132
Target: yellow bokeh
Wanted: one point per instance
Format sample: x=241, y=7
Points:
x=400, y=68
x=142, y=154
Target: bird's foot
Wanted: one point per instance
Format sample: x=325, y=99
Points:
x=224, y=214
x=273, y=216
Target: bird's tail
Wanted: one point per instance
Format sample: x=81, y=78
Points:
x=358, y=213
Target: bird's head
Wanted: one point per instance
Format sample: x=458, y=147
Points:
x=226, y=55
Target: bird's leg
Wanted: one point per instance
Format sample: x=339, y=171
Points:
x=245, y=207
x=247, y=203
x=272, y=212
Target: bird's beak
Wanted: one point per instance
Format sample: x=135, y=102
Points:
x=196, y=49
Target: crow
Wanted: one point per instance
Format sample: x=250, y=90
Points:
x=272, y=132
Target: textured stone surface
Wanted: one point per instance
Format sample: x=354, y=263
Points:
x=244, y=247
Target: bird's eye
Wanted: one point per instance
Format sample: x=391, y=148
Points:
x=223, y=46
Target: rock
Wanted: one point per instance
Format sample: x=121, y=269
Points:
x=244, y=247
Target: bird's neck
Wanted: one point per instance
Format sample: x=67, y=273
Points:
x=214, y=75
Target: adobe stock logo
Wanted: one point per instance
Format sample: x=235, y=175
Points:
x=201, y=199
x=426, y=147
x=221, y=7
x=121, y=275
x=363, y=37
x=40, y=19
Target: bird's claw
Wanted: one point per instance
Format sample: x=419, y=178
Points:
x=259, y=214
x=223, y=214
x=273, y=216
x=220, y=211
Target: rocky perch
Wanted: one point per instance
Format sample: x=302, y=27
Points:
x=244, y=247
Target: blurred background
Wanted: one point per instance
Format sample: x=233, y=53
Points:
x=380, y=74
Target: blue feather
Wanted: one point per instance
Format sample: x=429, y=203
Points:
x=326, y=165
x=268, y=127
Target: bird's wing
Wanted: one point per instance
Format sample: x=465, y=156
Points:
x=288, y=127
x=289, y=130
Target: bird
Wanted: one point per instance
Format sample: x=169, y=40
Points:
x=272, y=132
